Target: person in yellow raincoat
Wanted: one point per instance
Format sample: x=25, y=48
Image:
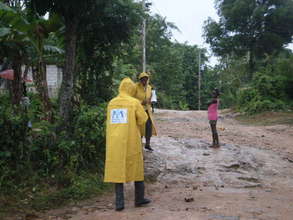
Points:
x=124, y=156
x=143, y=94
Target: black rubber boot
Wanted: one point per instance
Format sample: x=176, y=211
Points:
x=148, y=147
x=139, y=194
x=119, y=190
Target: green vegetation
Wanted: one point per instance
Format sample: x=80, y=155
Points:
x=43, y=167
x=267, y=118
x=256, y=70
x=97, y=43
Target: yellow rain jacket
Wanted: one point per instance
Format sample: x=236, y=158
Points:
x=125, y=116
x=144, y=94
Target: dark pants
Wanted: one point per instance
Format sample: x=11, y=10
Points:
x=119, y=191
x=148, y=131
x=153, y=106
x=119, y=200
x=213, y=124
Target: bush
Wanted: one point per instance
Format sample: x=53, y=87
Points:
x=247, y=95
x=165, y=101
x=265, y=105
x=183, y=105
x=31, y=155
x=271, y=86
x=89, y=137
x=13, y=143
x=265, y=94
x=83, y=150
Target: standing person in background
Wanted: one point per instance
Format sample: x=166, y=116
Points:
x=143, y=94
x=124, y=157
x=153, y=99
x=213, y=117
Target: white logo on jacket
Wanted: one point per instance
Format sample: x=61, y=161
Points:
x=119, y=116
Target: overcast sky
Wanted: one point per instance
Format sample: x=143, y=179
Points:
x=189, y=17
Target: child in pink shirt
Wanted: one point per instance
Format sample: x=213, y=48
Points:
x=213, y=117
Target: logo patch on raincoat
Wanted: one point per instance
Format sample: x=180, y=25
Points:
x=119, y=116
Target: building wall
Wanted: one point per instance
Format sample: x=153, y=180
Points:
x=54, y=80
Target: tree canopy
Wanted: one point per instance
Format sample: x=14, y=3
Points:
x=256, y=26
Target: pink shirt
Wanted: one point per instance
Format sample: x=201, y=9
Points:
x=213, y=111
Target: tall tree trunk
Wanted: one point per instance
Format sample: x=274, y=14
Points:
x=40, y=78
x=25, y=73
x=66, y=91
x=17, y=88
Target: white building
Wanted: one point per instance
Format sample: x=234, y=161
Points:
x=54, y=79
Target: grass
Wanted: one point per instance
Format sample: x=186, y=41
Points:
x=44, y=196
x=267, y=118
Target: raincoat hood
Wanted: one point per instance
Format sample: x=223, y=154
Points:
x=127, y=87
x=143, y=74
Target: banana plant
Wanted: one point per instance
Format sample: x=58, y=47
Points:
x=13, y=44
x=23, y=38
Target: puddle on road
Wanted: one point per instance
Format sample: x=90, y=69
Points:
x=232, y=166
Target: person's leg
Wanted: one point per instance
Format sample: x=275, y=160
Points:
x=119, y=190
x=213, y=124
x=216, y=135
x=212, y=130
x=139, y=199
x=148, y=134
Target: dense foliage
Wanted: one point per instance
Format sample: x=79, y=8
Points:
x=250, y=37
x=40, y=157
x=250, y=26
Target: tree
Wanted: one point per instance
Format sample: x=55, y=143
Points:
x=99, y=54
x=257, y=27
x=76, y=16
x=13, y=45
x=173, y=66
x=72, y=15
x=23, y=36
x=39, y=32
x=164, y=62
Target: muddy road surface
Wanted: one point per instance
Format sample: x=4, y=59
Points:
x=250, y=177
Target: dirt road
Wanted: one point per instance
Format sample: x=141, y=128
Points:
x=249, y=178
